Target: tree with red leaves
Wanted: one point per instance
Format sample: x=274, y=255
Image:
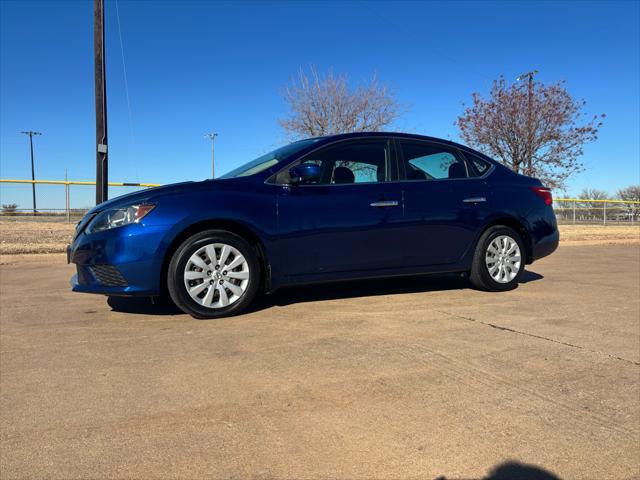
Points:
x=536, y=129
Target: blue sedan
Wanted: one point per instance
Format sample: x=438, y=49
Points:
x=325, y=209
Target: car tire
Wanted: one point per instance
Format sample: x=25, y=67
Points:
x=494, y=266
x=206, y=288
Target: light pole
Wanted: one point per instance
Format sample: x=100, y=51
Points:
x=33, y=172
x=529, y=75
x=212, y=136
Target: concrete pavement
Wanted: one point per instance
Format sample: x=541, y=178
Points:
x=395, y=378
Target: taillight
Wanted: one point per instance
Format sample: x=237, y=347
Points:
x=544, y=193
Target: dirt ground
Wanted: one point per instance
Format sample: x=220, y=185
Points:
x=403, y=378
x=599, y=234
x=27, y=236
x=19, y=236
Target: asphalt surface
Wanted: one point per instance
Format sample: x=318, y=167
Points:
x=387, y=379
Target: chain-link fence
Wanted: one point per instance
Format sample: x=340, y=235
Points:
x=56, y=200
x=591, y=211
x=68, y=201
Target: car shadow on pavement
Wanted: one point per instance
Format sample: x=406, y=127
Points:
x=528, y=276
x=143, y=306
x=368, y=288
x=317, y=292
x=512, y=470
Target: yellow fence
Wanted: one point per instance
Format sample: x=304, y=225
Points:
x=568, y=210
x=10, y=209
x=75, y=182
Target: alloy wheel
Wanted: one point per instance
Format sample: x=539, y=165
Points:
x=216, y=275
x=503, y=259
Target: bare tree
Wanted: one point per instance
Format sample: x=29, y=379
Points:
x=538, y=130
x=9, y=208
x=593, y=194
x=327, y=104
x=630, y=194
x=592, y=209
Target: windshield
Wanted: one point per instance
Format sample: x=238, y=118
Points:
x=269, y=159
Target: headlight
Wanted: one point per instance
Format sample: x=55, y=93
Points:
x=119, y=217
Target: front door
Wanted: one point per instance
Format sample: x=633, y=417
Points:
x=348, y=222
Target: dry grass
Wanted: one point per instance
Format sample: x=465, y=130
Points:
x=599, y=234
x=28, y=236
x=19, y=237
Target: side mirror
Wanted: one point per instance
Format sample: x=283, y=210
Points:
x=304, y=173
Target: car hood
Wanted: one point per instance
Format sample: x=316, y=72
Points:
x=147, y=195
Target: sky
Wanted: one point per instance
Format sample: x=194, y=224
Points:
x=197, y=66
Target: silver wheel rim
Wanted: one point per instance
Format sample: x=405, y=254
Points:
x=216, y=275
x=503, y=259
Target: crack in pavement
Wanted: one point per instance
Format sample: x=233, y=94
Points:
x=533, y=335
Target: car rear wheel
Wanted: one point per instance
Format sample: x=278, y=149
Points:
x=498, y=262
x=213, y=274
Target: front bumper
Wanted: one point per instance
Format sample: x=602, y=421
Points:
x=123, y=261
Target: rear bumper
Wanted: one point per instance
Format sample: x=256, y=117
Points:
x=546, y=246
x=542, y=228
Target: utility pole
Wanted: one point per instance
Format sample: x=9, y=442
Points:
x=212, y=136
x=102, y=164
x=529, y=75
x=33, y=171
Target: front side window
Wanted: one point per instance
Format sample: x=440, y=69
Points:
x=426, y=161
x=353, y=162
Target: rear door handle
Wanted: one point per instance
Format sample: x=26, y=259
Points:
x=475, y=200
x=385, y=203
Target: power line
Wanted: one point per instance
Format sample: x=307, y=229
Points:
x=124, y=71
x=389, y=20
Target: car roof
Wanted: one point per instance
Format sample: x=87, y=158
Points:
x=413, y=136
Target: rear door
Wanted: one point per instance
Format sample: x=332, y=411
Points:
x=350, y=220
x=445, y=202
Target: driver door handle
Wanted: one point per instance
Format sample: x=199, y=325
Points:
x=384, y=203
x=475, y=200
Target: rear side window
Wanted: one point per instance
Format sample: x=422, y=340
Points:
x=478, y=166
x=430, y=161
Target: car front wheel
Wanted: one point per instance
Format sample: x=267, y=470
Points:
x=498, y=262
x=213, y=274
